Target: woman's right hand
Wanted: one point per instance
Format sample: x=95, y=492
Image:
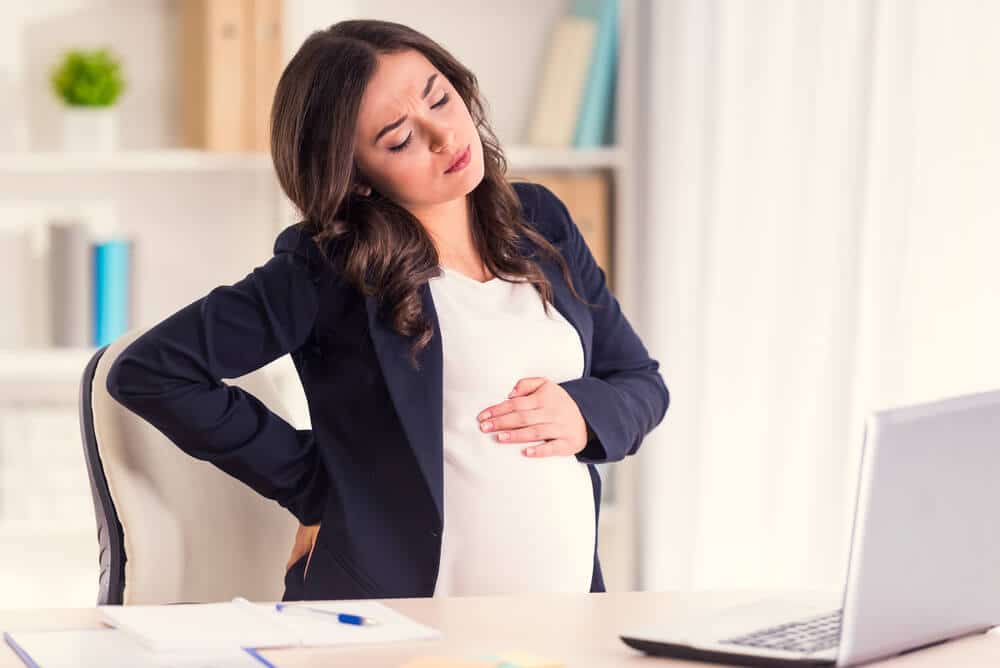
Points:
x=305, y=541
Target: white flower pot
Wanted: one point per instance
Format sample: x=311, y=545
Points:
x=91, y=129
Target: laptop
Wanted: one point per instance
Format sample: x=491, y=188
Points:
x=924, y=560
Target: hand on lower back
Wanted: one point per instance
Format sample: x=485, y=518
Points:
x=305, y=539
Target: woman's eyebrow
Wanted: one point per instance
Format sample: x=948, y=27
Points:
x=396, y=123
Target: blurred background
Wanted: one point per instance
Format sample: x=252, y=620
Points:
x=794, y=202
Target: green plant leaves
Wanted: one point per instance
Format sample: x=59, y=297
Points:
x=88, y=78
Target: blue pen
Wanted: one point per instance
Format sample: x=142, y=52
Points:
x=342, y=617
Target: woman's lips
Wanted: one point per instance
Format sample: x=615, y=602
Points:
x=461, y=162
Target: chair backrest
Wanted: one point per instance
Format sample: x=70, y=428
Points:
x=173, y=528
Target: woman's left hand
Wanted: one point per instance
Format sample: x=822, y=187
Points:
x=537, y=410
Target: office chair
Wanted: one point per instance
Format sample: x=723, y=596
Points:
x=172, y=528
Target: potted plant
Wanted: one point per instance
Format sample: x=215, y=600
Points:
x=89, y=83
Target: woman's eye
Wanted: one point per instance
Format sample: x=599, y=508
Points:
x=400, y=147
x=440, y=103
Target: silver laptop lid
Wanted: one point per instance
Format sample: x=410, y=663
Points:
x=925, y=555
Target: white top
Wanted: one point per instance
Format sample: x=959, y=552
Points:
x=512, y=523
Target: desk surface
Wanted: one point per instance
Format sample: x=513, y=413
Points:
x=581, y=630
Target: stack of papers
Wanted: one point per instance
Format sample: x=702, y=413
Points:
x=200, y=635
x=259, y=625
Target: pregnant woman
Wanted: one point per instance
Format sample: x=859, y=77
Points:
x=464, y=362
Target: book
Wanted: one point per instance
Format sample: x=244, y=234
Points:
x=231, y=57
x=70, y=283
x=213, y=58
x=564, y=71
x=111, y=289
x=594, y=124
x=23, y=294
x=264, y=64
x=190, y=626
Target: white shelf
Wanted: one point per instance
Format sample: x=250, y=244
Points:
x=171, y=160
x=43, y=364
x=519, y=157
x=522, y=157
x=42, y=374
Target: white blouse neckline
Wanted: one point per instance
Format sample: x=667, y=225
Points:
x=470, y=279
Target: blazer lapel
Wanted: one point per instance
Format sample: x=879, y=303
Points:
x=415, y=394
x=418, y=395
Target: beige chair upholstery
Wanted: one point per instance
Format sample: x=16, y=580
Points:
x=189, y=532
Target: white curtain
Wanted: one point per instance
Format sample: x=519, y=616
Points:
x=820, y=232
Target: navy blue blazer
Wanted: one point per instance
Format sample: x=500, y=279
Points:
x=370, y=469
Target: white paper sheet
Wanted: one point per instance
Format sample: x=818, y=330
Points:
x=110, y=648
x=259, y=625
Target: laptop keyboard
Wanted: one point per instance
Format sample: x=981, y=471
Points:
x=810, y=635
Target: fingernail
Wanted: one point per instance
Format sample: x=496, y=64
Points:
x=486, y=426
x=504, y=436
x=529, y=451
x=484, y=415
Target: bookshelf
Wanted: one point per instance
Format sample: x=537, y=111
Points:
x=40, y=163
x=164, y=195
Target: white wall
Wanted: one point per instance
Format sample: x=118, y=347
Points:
x=820, y=239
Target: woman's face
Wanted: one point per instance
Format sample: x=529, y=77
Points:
x=406, y=160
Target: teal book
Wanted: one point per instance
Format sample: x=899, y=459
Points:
x=111, y=290
x=595, y=121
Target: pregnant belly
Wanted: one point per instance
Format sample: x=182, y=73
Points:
x=515, y=523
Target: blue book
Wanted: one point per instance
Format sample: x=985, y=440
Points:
x=595, y=121
x=111, y=290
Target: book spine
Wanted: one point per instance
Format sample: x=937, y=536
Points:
x=213, y=59
x=70, y=284
x=563, y=77
x=111, y=289
x=263, y=69
x=593, y=126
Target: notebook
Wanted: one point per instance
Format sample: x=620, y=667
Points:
x=259, y=625
x=110, y=648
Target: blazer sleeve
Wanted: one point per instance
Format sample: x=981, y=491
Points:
x=624, y=397
x=171, y=375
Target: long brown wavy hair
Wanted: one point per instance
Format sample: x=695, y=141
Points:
x=381, y=248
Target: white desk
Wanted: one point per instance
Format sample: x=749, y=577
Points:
x=581, y=630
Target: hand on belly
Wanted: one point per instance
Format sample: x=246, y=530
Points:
x=539, y=417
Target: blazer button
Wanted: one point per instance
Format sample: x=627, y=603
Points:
x=435, y=533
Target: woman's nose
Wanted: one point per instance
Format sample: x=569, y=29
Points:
x=441, y=138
